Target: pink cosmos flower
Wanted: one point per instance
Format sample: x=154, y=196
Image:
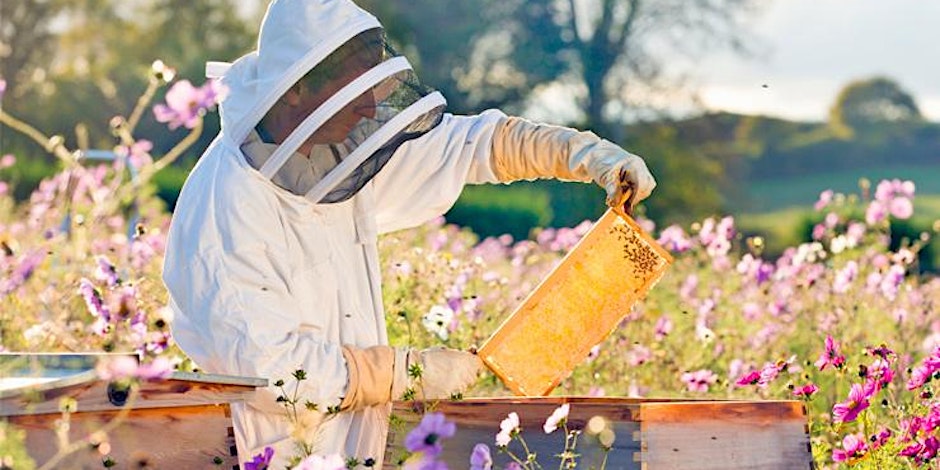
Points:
x=880, y=438
x=922, y=452
x=853, y=447
x=106, y=271
x=7, y=161
x=848, y=410
x=159, y=368
x=805, y=391
x=674, y=239
x=700, y=380
x=3, y=87
x=186, y=104
x=663, y=327
x=558, y=417
x=638, y=355
x=845, y=277
x=831, y=356
x=137, y=154
x=127, y=367
x=751, y=378
x=825, y=198
x=875, y=213
x=93, y=300
x=426, y=437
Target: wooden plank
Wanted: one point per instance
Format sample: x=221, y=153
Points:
x=92, y=395
x=721, y=435
x=580, y=302
x=182, y=437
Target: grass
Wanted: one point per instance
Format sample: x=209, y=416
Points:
x=802, y=192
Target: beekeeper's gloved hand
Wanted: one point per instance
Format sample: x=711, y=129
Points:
x=380, y=374
x=526, y=150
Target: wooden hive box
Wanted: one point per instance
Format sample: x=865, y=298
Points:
x=180, y=422
x=648, y=433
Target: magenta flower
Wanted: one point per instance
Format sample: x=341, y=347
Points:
x=261, y=461
x=880, y=375
x=853, y=447
x=751, y=378
x=805, y=391
x=922, y=452
x=426, y=437
x=186, y=104
x=920, y=375
x=880, y=438
x=3, y=87
x=481, y=459
x=848, y=410
x=831, y=356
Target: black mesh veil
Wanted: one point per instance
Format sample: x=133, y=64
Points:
x=349, y=115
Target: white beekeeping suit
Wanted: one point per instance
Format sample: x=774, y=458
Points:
x=327, y=141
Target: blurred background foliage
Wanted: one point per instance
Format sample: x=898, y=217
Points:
x=71, y=65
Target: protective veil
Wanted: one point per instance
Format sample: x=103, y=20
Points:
x=271, y=261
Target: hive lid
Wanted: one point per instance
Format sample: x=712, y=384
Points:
x=576, y=307
x=33, y=383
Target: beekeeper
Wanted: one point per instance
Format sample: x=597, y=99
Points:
x=328, y=140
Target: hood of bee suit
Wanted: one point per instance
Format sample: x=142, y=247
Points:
x=296, y=37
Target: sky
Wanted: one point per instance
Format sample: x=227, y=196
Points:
x=815, y=47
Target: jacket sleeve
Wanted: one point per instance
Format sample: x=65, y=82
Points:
x=426, y=175
x=237, y=308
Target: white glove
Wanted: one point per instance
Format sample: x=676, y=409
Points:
x=623, y=175
x=380, y=374
x=525, y=150
x=443, y=372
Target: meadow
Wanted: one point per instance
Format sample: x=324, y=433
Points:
x=844, y=322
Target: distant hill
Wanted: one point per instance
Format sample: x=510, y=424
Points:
x=787, y=159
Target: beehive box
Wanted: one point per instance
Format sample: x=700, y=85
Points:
x=180, y=422
x=576, y=306
x=648, y=433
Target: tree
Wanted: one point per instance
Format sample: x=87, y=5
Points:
x=25, y=37
x=865, y=105
x=504, y=49
x=478, y=53
x=100, y=56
